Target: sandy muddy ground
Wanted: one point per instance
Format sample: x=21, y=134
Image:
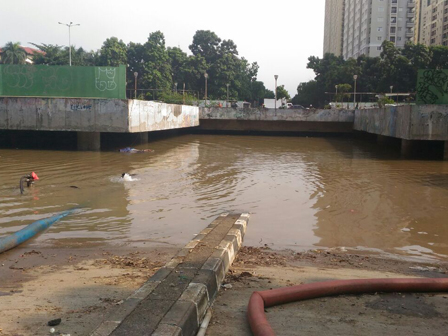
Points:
x=398, y=313
x=78, y=285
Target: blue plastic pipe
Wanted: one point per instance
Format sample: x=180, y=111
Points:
x=17, y=238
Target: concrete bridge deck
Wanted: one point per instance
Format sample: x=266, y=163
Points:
x=90, y=117
x=411, y=124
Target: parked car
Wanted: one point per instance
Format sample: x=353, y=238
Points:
x=297, y=107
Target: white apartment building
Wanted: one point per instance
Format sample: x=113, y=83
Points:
x=434, y=22
x=366, y=24
x=334, y=23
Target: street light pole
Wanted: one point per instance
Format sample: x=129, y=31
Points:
x=183, y=94
x=227, y=101
x=175, y=87
x=135, y=84
x=275, y=77
x=69, y=25
x=355, y=77
x=336, y=96
x=206, y=76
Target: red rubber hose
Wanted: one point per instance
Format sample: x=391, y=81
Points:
x=261, y=300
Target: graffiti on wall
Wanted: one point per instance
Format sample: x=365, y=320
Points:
x=432, y=87
x=19, y=77
x=55, y=79
x=105, y=79
x=62, y=81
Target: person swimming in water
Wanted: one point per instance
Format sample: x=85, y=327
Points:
x=127, y=177
x=134, y=150
x=29, y=179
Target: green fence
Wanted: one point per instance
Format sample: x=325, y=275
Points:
x=432, y=87
x=62, y=81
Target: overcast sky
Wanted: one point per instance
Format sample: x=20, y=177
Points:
x=279, y=35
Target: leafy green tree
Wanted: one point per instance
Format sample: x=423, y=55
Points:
x=178, y=60
x=223, y=65
x=439, y=59
x=205, y=43
x=370, y=73
x=81, y=57
x=13, y=53
x=152, y=64
x=258, y=91
x=307, y=94
x=344, y=92
x=56, y=55
x=282, y=93
x=51, y=55
x=157, y=68
x=269, y=94
x=112, y=53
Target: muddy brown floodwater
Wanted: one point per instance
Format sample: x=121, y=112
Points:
x=302, y=193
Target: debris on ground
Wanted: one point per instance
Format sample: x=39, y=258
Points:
x=54, y=322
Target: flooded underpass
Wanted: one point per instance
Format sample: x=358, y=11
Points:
x=302, y=193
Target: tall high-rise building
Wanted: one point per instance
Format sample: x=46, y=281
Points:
x=366, y=24
x=434, y=22
x=334, y=22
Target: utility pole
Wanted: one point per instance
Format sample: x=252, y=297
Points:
x=69, y=25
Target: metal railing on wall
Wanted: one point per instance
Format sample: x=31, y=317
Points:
x=154, y=94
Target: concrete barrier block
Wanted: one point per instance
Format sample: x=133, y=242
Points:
x=124, y=310
x=184, y=315
x=208, y=278
x=184, y=252
x=216, y=265
x=197, y=293
x=215, y=223
x=106, y=328
x=145, y=290
x=241, y=228
x=228, y=245
x=192, y=244
x=224, y=244
x=237, y=234
x=233, y=243
x=167, y=330
x=241, y=221
x=174, y=262
x=160, y=275
x=224, y=256
x=199, y=237
x=206, y=231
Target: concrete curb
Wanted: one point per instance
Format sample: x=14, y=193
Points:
x=186, y=304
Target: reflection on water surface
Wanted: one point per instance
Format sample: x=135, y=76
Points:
x=302, y=193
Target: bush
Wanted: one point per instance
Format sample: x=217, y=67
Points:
x=385, y=100
x=169, y=97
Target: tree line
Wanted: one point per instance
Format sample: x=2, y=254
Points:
x=394, y=67
x=159, y=67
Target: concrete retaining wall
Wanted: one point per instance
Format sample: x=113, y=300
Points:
x=277, y=115
x=417, y=122
x=93, y=115
x=282, y=120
